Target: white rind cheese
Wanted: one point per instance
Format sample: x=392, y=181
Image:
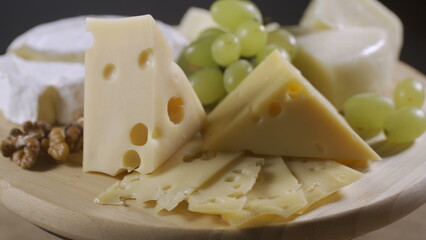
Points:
x=342, y=63
x=31, y=91
x=276, y=111
x=226, y=192
x=276, y=192
x=341, y=14
x=321, y=178
x=139, y=106
x=66, y=40
x=174, y=181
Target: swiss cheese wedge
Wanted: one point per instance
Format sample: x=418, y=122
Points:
x=139, y=105
x=276, y=111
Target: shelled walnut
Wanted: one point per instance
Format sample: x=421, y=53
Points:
x=38, y=141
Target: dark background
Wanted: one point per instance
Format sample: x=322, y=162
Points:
x=19, y=15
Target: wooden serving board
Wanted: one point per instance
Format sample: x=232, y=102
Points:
x=59, y=198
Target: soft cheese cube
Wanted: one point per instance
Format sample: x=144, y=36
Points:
x=194, y=21
x=49, y=91
x=139, y=105
x=276, y=111
x=341, y=14
x=342, y=63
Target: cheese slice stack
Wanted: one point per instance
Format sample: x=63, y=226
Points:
x=174, y=181
x=276, y=111
x=139, y=106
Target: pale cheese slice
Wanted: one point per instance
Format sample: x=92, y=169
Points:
x=139, y=106
x=276, y=111
x=341, y=14
x=321, y=178
x=226, y=192
x=174, y=181
x=276, y=192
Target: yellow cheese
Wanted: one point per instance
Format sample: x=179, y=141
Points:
x=342, y=63
x=174, y=181
x=321, y=178
x=139, y=105
x=226, y=192
x=276, y=192
x=276, y=111
x=341, y=14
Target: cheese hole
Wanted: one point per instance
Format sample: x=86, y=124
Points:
x=131, y=160
x=208, y=155
x=230, y=179
x=139, y=134
x=237, y=171
x=110, y=71
x=236, y=186
x=213, y=200
x=294, y=90
x=175, y=109
x=191, y=157
x=146, y=58
x=157, y=133
x=274, y=109
x=167, y=187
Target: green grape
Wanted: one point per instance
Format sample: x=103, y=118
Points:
x=268, y=49
x=208, y=84
x=211, y=32
x=226, y=49
x=409, y=92
x=253, y=37
x=185, y=65
x=367, y=111
x=284, y=39
x=231, y=14
x=198, y=53
x=235, y=73
x=405, y=125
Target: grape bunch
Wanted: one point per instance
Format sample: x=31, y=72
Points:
x=402, y=119
x=220, y=58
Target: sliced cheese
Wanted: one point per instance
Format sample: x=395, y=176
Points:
x=321, y=178
x=194, y=21
x=66, y=40
x=341, y=14
x=49, y=91
x=342, y=63
x=276, y=111
x=174, y=181
x=276, y=192
x=226, y=191
x=139, y=106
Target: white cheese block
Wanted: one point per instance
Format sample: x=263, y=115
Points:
x=66, y=40
x=276, y=111
x=342, y=63
x=341, y=14
x=276, y=192
x=226, y=191
x=31, y=91
x=139, y=106
x=194, y=21
x=174, y=181
x=321, y=178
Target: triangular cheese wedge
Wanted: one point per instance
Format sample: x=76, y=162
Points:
x=139, y=105
x=276, y=111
